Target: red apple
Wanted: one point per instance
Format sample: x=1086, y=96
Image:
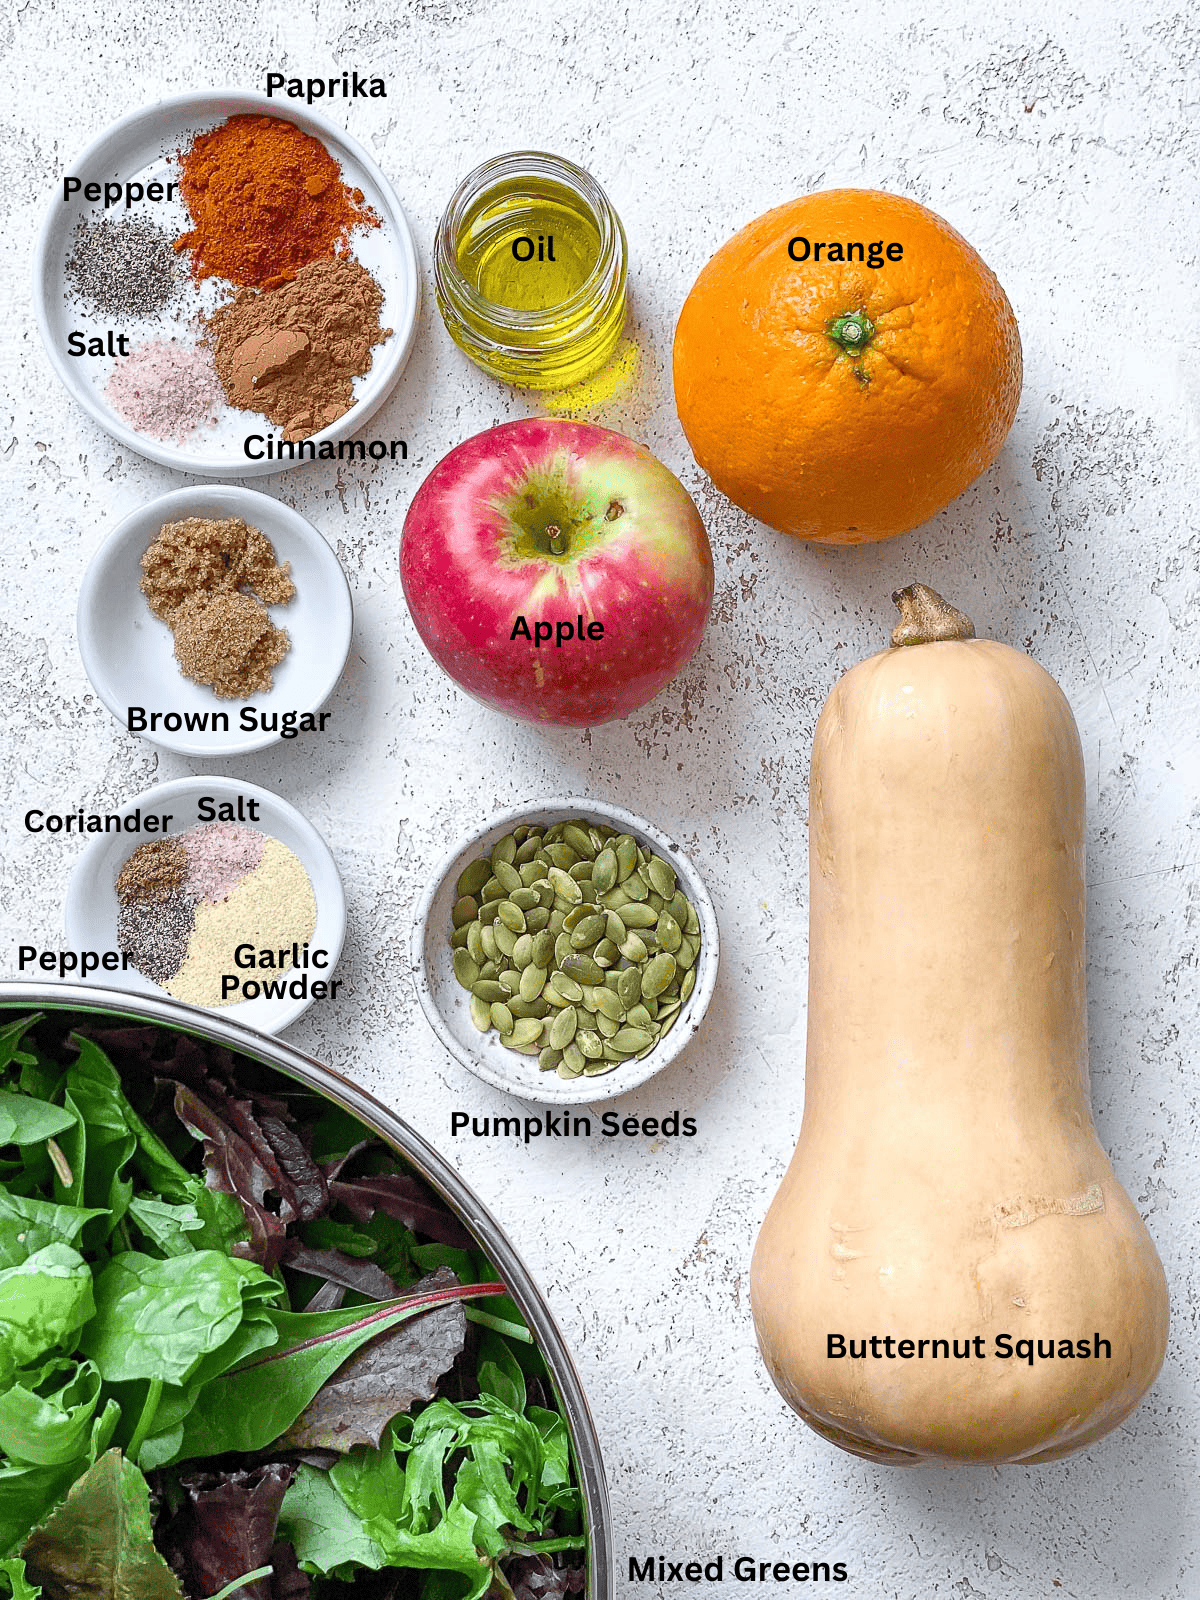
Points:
x=556, y=571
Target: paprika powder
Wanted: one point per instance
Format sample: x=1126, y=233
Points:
x=266, y=199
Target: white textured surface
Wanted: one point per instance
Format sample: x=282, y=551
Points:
x=1062, y=142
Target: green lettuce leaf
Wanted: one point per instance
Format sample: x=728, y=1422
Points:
x=43, y=1301
x=14, y=1569
x=328, y=1536
x=46, y=1414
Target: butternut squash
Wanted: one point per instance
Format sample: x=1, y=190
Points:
x=948, y=1184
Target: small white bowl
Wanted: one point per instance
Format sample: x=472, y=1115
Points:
x=447, y=1005
x=91, y=909
x=129, y=654
x=142, y=147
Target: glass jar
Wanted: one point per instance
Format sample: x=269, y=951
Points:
x=529, y=268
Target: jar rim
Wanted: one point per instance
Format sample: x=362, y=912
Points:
x=453, y=287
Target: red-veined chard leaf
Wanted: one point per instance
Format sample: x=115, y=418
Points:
x=250, y=1407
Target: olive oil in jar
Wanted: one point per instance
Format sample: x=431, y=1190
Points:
x=529, y=266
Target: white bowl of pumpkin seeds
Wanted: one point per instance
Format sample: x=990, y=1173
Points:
x=566, y=952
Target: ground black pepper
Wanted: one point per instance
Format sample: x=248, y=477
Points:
x=124, y=266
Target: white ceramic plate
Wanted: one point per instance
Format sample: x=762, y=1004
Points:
x=143, y=147
x=130, y=655
x=91, y=908
x=447, y=1005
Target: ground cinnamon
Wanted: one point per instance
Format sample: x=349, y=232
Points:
x=266, y=198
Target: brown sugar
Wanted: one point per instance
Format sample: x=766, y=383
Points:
x=211, y=580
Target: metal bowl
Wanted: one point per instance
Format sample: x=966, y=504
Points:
x=426, y=1161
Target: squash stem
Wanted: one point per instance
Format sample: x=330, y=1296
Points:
x=925, y=618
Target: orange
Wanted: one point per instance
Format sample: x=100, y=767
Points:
x=839, y=400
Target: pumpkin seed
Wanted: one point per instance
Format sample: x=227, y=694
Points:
x=597, y=1069
x=582, y=968
x=563, y=949
x=669, y=1024
x=555, y=999
x=612, y=1056
x=635, y=915
x=493, y=889
x=542, y=948
x=507, y=877
x=605, y=871
x=685, y=956
x=510, y=978
x=510, y=915
x=587, y=931
x=573, y=1060
x=588, y=1002
x=506, y=939
x=631, y=1040
x=544, y=890
x=524, y=899
x=475, y=944
x=566, y=986
x=639, y=1017
x=590, y=1043
x=689, y=983
x=582, y=873
x=606, y=953
x=635, y=887
x=533, y=980
x=579, y=840
x=523, y=952
x=481, y=1013
x=614, y=899
x=666, y=1008
x=657, y=973
x=625, y=848
x=527, y=1008
x=614, y=928
x=629, y=986
x=502, y=1017
x=537, y=919
x=473, y=877
x=548, y=1059
x=489, y=990
x=527, y=849
x=458, y=939
x=608, y=1004
x=669, y=933
x=692, y=926
x=487, y=938
x=489, y=969
x=504, y=850
x=562, y=1029
x=565, y=886
x=606, y=1026
x=555, y=924
x=530, y=873
x=526, y=1030
x=466, y=909
x=633, y=948
x=563, y=857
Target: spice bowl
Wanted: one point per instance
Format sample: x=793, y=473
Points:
x=92, y=906
x=134, y=169
x=129, y=654
x=447, y=1004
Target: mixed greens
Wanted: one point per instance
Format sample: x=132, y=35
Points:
x=244, y=1351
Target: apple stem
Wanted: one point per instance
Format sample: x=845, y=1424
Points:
x=558, y=542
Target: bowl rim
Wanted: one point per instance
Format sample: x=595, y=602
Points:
x=230, y=499
x=453, y=1189
x=228, y=102
x=586, y=1091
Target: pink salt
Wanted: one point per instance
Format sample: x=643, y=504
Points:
x=220, y=854
x=165, y=390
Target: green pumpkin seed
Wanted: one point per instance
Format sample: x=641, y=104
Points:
x=511, y=916
x=636, y=888
x=537, y=919
x=555, y=925
x=489, y=990
x=573, y=1061
x=692, y=926
x=606, y=1026
x=475, y=944
x=533, y=980
x=666, y=1027
x=563, y=949
x=560, y=1002
x=563, y=857
x=635, y=915
x=612, y=1056
x=565, y=887
x=608, y=1004
x=688, y=950
x=605, y=872
x=544, y=890
x=588, y=1002
x=489, y=969
x=458, y=939
x=504, y=851
x=582, y=874
x=590, y=1043
x=508, y=877
x=562, y=1029
x=548, y=1059
x=639, y=1017
x=606, y=953
x=565, y=985
x=528, y=848
x=614, y=899
x=661, y=877
x=481, y=1013
x=493, y=889
x=666, y=1008
x=576, y=915
x=633, y=947
x=530, y=873
x=527, y=1008
x=472, y=878
x=579, y=840
x=689, y=983
x=523, y=952
x=625, y=849
x=669, y=933
x=502, y=1017
x=629, y=986
x=510, y=978
x=587, y=931
x=614, y=928
x=657, y=973
x=631, y=1040
x=487, y=938
x=582, y=968
x=466, y=909
x=526, y=1030
x=597, y=1069
x=506, y=939
x=524, y=899
x=542, y=947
